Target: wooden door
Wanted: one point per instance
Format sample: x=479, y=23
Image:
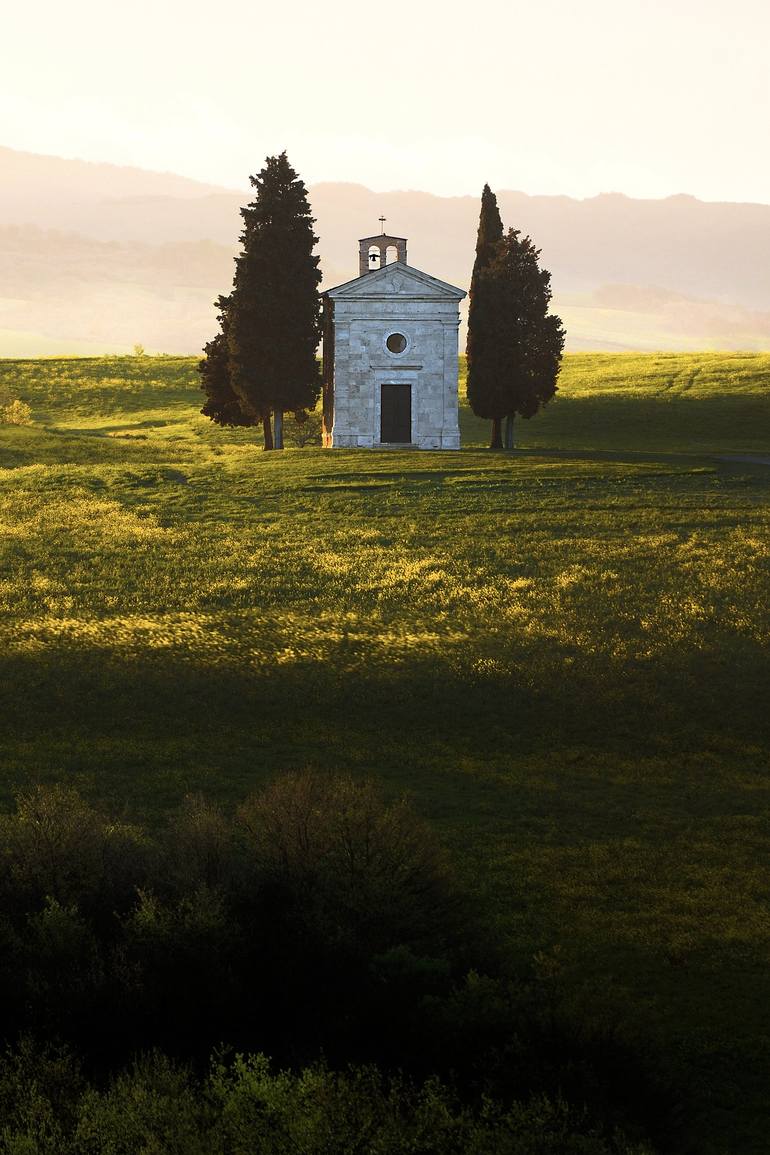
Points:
x=396, y=415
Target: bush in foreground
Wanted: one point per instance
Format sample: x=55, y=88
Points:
x=246, y=1107
x=320, y=919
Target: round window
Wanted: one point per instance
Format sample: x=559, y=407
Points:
x=396, y=342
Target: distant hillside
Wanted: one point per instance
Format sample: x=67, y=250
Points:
x=97, y=257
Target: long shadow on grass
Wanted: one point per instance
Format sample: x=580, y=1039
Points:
x=511, y=768
x=160, y=722
x=662, y=423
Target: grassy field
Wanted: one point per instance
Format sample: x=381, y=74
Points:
x=564, y=658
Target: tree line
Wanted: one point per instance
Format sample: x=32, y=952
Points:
x=262, y=362
x=319, y=923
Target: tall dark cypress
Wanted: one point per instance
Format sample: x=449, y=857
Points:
x=524, y=358
x=480, y=340
x=274, y=312
x=514, y=345
x=263, y=361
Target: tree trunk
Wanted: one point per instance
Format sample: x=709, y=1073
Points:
x=497, y=440
x=278, y=419
x=267, y=429
x=508, y=436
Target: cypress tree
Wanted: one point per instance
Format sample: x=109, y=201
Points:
x=480, y=340
x=274, y=310
x=525, y=355
x=263, y=360
x=222, y=404
x=514, y=345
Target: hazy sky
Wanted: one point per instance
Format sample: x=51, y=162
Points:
x=646, y=97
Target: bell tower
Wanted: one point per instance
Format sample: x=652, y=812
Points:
x=383, y=249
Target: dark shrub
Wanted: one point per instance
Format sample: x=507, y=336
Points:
x=182, y=988
x=155, y=1108
x=365, y=874
x=199, y=847
x=39, y=1091
x=57, y=846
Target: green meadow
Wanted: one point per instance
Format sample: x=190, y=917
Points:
x=561, y=654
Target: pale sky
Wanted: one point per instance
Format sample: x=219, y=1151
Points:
x=645, y=97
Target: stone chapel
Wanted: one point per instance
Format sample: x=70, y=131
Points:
x=390, y=354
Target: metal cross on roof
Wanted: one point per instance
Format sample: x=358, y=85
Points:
x=382, y=222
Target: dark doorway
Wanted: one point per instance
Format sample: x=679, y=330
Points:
x=396, y=415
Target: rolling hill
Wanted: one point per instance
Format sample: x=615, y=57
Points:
x=95, y=258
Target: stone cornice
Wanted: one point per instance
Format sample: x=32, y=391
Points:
x=396, y=281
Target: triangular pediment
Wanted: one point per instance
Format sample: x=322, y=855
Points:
x=381, y=238
x=396, y=280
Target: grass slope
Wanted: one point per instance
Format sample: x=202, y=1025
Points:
x=564, y=659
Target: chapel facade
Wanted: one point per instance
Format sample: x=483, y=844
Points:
x=390, y=337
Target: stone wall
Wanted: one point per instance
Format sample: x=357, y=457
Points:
x=327, y=378
x=363, y=363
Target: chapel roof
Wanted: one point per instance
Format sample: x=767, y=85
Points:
x=395, y=279
x=381, y=237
